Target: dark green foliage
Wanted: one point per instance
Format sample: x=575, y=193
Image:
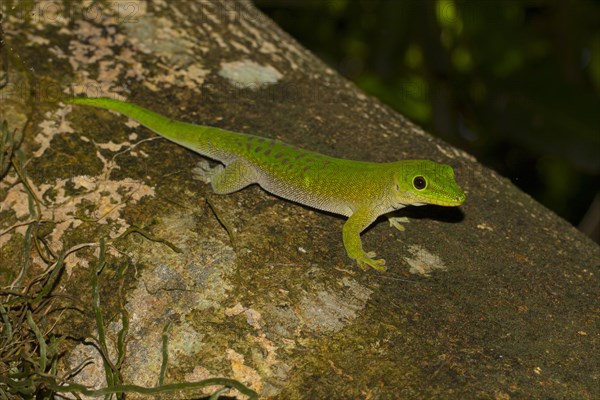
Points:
x=514, y=83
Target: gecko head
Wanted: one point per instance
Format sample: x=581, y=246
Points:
x=419, y=182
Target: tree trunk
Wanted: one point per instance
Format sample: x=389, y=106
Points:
x=497, y=299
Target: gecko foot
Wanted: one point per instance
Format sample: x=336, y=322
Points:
x=368, y=260
x=204, y=172
x=396, y=222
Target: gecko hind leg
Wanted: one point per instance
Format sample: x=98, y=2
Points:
x=224, y=180
x=203, y=171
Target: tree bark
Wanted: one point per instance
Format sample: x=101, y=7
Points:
x=497, y=299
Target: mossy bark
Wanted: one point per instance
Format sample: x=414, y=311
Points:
x=497, y=299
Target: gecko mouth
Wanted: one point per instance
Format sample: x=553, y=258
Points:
x=450, y=201
x=441, y=198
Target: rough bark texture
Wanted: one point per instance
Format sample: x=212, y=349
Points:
x=496, y=300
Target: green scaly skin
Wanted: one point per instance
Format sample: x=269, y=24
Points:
x=361, y=191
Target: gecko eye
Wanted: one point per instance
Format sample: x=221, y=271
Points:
x=419, y=183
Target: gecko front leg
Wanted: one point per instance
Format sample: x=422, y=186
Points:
x=358, y=222
x=397, y=222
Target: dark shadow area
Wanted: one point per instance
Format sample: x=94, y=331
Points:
x=451, y=215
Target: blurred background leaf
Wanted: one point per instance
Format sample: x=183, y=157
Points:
x=515, y=83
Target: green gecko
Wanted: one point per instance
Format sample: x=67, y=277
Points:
x=359, y=190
